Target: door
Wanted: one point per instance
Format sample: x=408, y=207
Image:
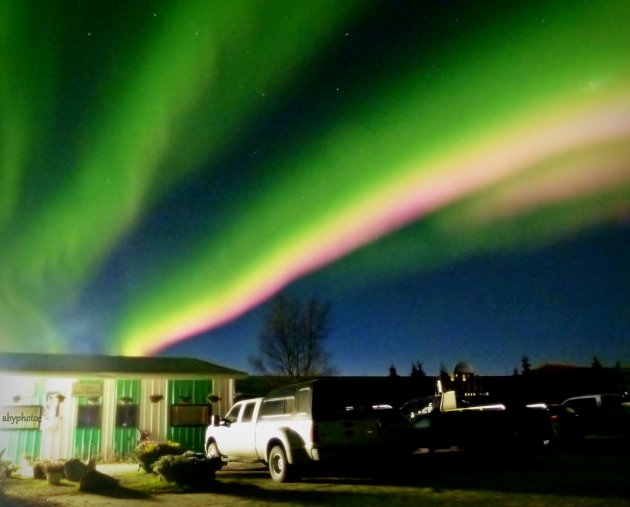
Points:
x=240, y=436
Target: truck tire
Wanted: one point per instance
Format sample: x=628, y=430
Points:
x=212, y=451
x=279, y=467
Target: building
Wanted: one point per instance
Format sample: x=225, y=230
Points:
x=79, y=406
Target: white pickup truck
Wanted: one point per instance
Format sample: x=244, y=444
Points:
x=319, y=420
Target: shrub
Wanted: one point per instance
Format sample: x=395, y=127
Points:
x=7, y=468
x=43, y=467
x=57, y=466
x=39, y=471
x=188, y=469
x=148, y=452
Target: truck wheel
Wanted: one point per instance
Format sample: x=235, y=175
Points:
x=213, y=451
x=279, y=467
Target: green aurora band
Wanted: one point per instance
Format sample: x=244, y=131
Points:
x=515, y=133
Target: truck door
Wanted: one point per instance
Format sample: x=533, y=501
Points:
x=242, y=433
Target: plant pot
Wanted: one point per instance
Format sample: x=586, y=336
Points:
x=54, y=478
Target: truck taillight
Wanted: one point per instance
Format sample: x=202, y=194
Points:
x=314, y=434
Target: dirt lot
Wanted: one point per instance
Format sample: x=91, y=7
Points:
x=596, y=475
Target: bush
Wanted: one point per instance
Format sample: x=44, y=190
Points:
x=43, y=467
x=148, y=452
x=7, y=468
x=57, y=466
x=39, y=471
x=188, y=469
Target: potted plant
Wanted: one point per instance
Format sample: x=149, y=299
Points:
x=39, y=469
x=187, y=469
x=156, y=397
x=7, y=467
x=147, y=452
x=54, y=471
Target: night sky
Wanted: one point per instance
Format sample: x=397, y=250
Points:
x=453, y=177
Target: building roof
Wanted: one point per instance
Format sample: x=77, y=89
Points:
x=111, y=366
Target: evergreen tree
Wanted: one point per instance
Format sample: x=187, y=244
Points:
x=417, y=370
x=525, y=365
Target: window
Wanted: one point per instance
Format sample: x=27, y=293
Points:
x=304, y=400
x=248, y=412
x=611, y=400
x=272, y=407
x=583, y=404
x=89, y=416
x=232, y=415
x=278, y=407
x=190, y=415
x=126, y=415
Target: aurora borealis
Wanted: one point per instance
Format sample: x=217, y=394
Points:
x=166, y=167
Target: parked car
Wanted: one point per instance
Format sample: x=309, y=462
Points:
x=448, y=420
x=602, y=414
x=324, y=420
x=564, y=421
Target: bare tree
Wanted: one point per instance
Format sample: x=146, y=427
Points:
x=291, y=343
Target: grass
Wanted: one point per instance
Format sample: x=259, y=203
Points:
x=583, y=478
x=131, y=485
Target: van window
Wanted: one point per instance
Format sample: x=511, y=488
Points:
x=304, y=400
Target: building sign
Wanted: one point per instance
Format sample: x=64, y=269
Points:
x=89, y=389
x=20, y=417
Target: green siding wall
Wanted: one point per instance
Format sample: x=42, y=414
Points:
x=190, y=437
x=193, y=392
x=125, y=437
x=21, y=443
x=82, y=439
x=196, y=391
x=84, y=436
